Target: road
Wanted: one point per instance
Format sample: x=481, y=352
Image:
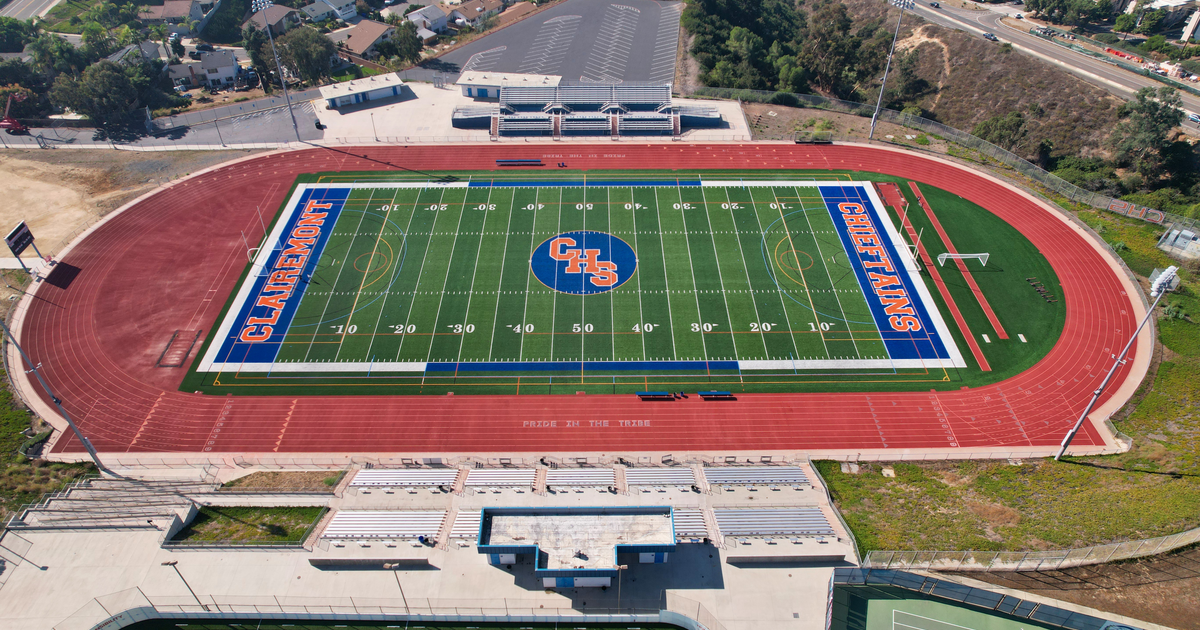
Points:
x=25, y=9
x=1115, y=80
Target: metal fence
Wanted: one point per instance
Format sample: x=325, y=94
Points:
x=450, y=611
x=985, y=149
x=1028, y=560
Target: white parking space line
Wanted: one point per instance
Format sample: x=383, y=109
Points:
x=484, y=61
x=666, y=43
x=551, y=44
x=613, y=43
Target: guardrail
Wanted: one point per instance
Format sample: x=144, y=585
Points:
x=1028, y=560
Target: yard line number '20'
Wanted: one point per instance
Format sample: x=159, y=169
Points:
x=400, y=329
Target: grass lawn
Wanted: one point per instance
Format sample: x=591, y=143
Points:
x=1152, y=490
x=249, y=525
x=287, y=480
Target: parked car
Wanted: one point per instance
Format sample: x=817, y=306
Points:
x=935, y=5
x=1194, y=118
x=991, y=37
x=1018, y=16
x=195, y=54
x=204, y=47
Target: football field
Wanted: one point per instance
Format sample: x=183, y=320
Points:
x=616, y=280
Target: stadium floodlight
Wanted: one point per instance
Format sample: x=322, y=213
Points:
x=902, y=4
x=263, y=5
x=1158, y=289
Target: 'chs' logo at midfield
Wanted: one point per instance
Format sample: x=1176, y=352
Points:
x=583, y=262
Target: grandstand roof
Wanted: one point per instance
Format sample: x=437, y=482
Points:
x=506, y=79
x=357, y=86
x=583, y=93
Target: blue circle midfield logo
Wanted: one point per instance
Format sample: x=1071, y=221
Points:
x=583, y=262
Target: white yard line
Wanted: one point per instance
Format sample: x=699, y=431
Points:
x=783, y=221
x=778, y=290
x=420, y=270
x=388, y=292
x=721, y=279
x=449, y=264
x=666, y=280
x=474, y=272
x=641, y=311
x=821, y=253
x=366, y=272
x=321, y=320
x=529, y=275
x=500, y=283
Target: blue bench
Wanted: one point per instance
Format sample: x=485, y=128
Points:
x=524, y=162
x=718, y=395
x=656, y=395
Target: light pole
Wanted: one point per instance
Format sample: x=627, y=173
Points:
x=263, y=5
x=57, y=401
x=373, y=129
x=903, y=4
x=1157, y=290
x=172, y=564
x=393, y=567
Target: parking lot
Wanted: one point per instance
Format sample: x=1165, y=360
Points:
x=582, y=40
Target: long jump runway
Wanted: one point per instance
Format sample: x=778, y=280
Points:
x=168, y=264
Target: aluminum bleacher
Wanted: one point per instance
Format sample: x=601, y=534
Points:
x=755, y=475
x=681, y=477
x=689, y=523
x=806, y=521
x=581, y=477
x=384, y=478
x=466, y=524
x=387, y=524
x=501, y=477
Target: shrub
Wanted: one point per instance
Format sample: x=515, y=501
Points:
x=1107, y=38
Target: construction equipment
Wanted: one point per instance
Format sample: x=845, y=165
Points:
x=8, y=123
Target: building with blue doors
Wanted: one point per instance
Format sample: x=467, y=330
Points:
x=372, y=88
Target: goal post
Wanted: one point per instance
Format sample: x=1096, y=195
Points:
x=942, y=258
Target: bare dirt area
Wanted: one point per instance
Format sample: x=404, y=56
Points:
x=287, y=480
x=59, y=192
x=778, y=122
x=1163, y=589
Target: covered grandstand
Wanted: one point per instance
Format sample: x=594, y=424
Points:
x=585, y=109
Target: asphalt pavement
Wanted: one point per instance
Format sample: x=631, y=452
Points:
x=25, y=9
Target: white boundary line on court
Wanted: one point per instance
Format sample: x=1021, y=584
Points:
x=209, y=364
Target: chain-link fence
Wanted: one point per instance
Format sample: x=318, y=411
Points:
x=1028, y=560
x=991, y=152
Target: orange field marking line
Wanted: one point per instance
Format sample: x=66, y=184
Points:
x=962, y=264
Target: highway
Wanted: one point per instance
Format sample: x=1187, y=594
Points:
x=25, y=9
x=1106, y=76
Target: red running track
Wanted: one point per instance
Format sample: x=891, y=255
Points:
x=169, y=263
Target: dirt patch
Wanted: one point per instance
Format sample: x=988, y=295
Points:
x=279, y=480
x=778, y=122
x=687, y=69
x=1163, y=590
x=60, y=192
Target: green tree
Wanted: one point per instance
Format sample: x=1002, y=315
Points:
x=14, y=34
x=1003, y=131
x=255, y=42
x=827, y=48
x=1151, y=21
x=1125, y=23
x=177, y=48
x=54, y=55
x=306, y=53
x=98, y=40
x=408, y=44
x=1140, y=138
x=1072, y=12
x=103, y=93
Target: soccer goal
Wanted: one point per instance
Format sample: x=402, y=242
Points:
x=942, y=258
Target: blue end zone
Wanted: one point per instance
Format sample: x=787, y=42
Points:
x=261, y=325
x=905, y=325
x=576, y=366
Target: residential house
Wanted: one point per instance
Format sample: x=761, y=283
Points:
x=178, y=14
x=280, y=19
x=318, y=11
x=217, y=68
x=472, y=12
x=365, y=35
x=345, y=9
x=430, y=17
x=426, y=36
